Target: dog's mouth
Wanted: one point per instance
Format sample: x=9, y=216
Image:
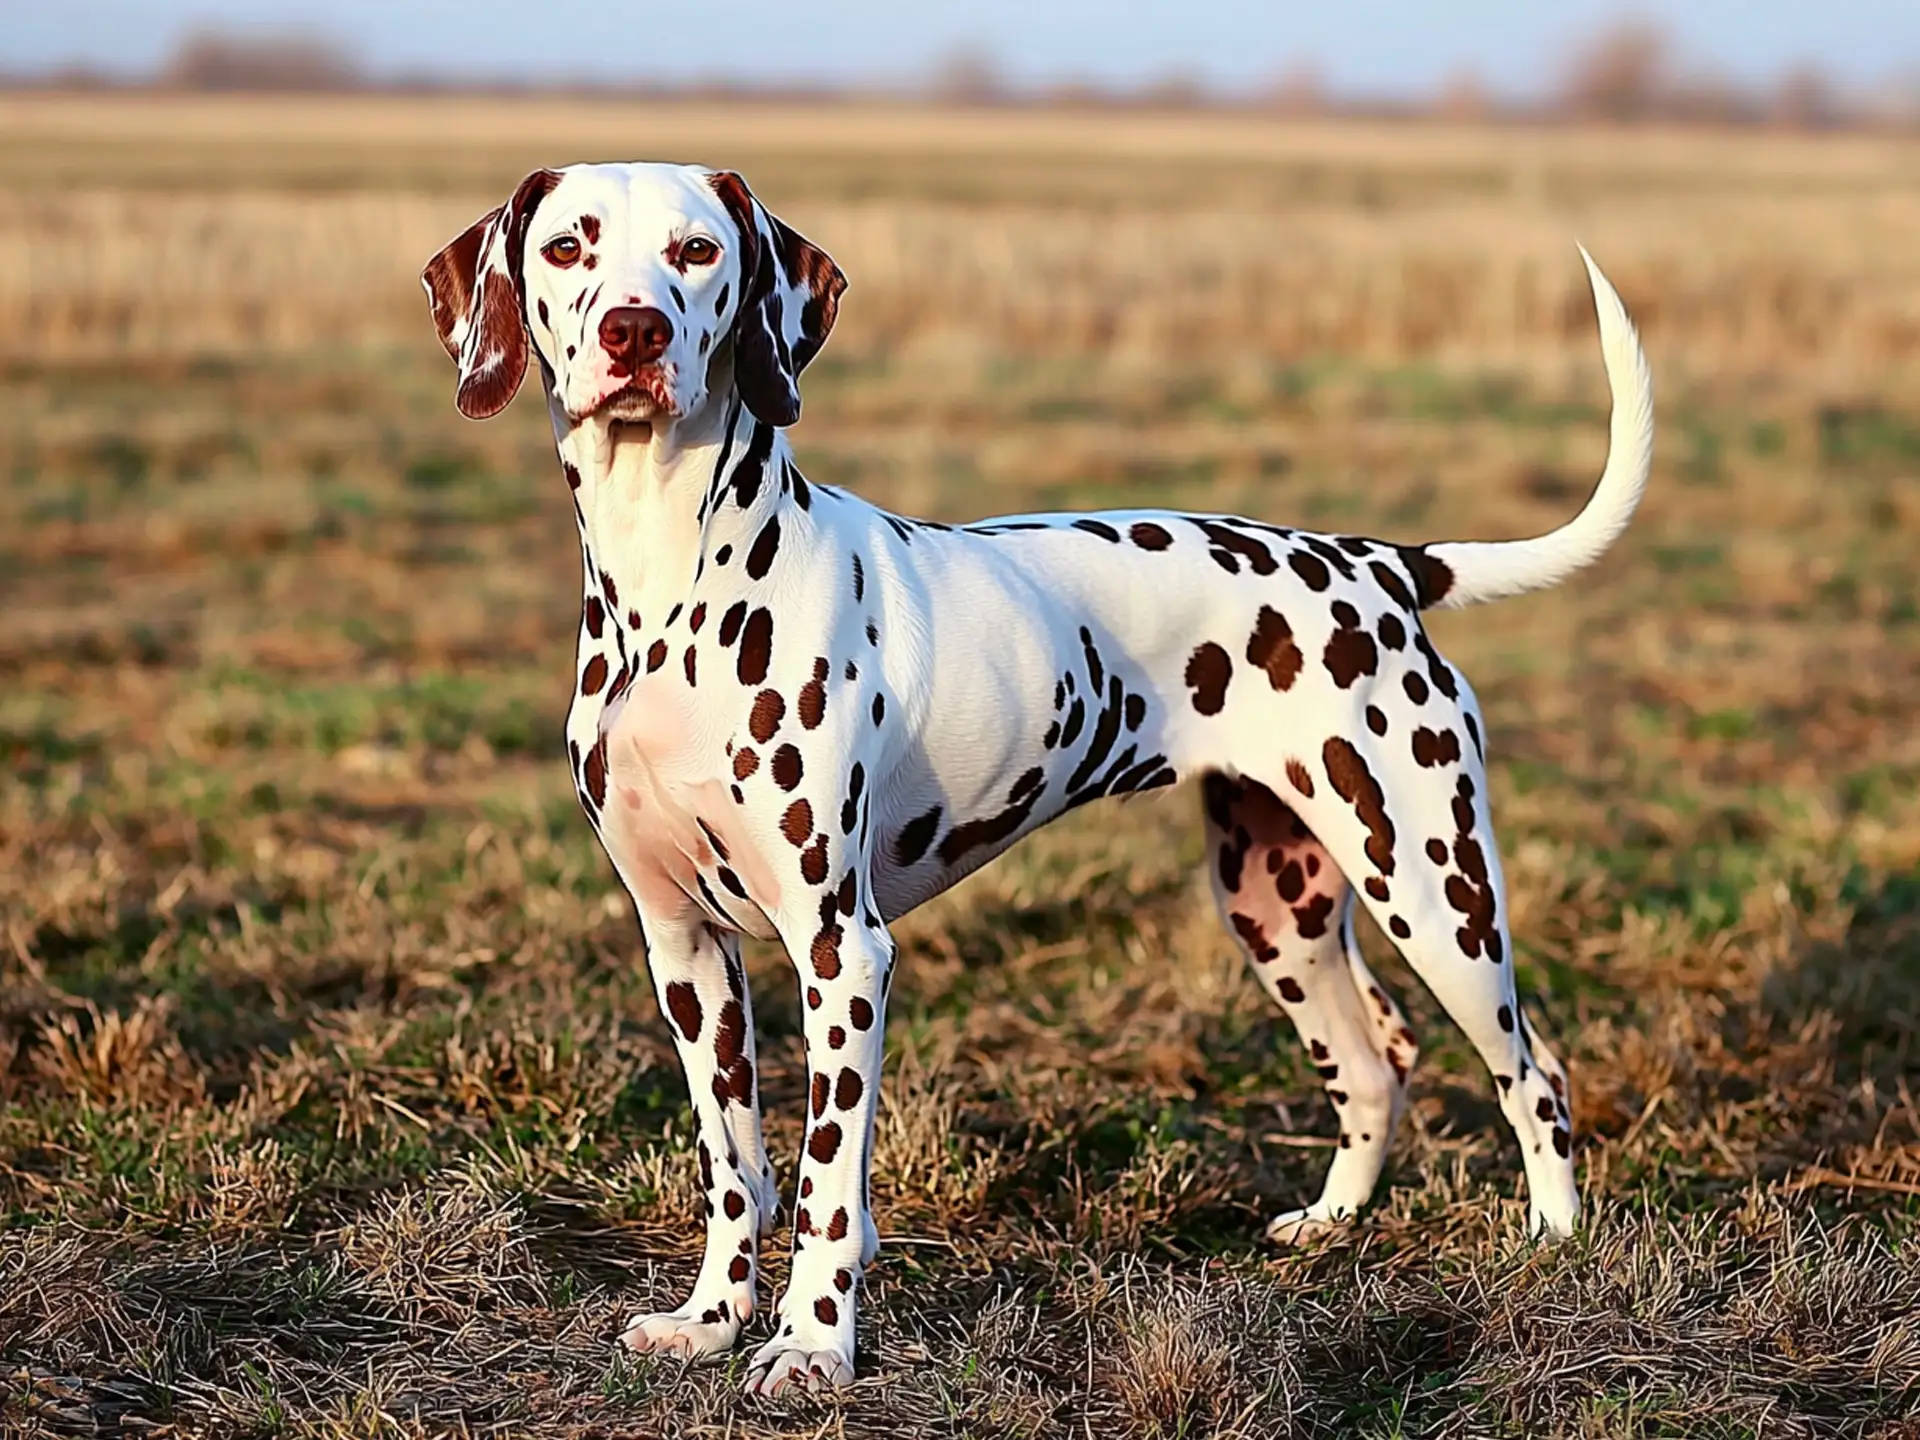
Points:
x=644, y=397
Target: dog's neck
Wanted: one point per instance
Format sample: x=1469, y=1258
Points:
x=656, y=504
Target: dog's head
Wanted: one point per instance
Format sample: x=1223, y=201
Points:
x=641, y=286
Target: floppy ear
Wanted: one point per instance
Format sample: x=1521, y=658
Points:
x=478, y=297
x=790, y=297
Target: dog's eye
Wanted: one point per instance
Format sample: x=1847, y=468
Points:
x=699, y=251
x=562, y=252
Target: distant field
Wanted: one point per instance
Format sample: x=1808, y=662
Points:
x=333, y=1097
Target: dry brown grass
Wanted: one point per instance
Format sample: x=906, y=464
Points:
x=334, y=1099
x=293, y=224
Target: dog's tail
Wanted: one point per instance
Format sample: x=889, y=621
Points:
x=1453, y=574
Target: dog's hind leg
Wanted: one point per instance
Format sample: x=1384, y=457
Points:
x=1404, y=810
x=1290, y=908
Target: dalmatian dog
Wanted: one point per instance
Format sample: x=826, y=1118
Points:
x=796, y=716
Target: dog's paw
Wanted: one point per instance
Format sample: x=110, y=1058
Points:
x=703, y=1335
x=785, y=1361
x=1302, y=1227
x=1550, y=1229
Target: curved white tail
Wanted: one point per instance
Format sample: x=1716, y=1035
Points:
x=1493, y=570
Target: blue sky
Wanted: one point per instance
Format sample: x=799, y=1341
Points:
x=1372, y=46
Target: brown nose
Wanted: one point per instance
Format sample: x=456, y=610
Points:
x=635, y=335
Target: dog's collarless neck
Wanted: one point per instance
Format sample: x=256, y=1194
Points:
x=656, y=514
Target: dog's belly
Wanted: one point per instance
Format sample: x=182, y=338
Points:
x=982, y=782
x=1076, y=667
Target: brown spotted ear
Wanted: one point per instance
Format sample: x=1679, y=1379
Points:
x=477, y=295
x=790, y=298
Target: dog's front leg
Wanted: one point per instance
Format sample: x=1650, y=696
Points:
x=843, y=954
x=702, y=989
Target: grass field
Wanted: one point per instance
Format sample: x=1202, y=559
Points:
x=333, y=1097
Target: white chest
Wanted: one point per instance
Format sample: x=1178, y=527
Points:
x=668, y=818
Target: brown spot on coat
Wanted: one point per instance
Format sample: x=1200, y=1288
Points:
x=1350, y=651
x=1290, y=881
x=1254, y=936
x=787, y=767
x=1432, y=577
x=1298, y=777
x=1208, y=673
x=813, y=861
x=768, y=711
x=848, y=1089
x=683, y=1004
x=756, y=647
x=593, y=771
x=1233, y=856
x=1438, y=671
x=1432, y=748
x=1354, y=783
x=1388, y=579
x=1229, y=542
x=797, y=823
x=825, y=954
x=1470, y=891
x=1310, y=568
x=1149, y=536
x=992, y=829
x=594, y=676
x=915, y=837
x=824, y=1143
x=812, y=705
x=1311, y=918
x=765, y=545
x=1273, y=649
x=729, y=1036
